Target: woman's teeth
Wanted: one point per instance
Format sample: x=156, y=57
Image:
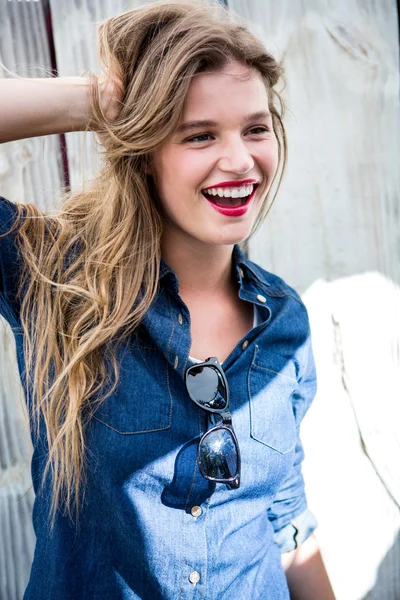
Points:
x=231, y=192
x=232, y=196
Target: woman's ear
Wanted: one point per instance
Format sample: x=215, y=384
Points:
x=148, y=167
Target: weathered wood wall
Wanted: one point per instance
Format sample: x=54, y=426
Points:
x=74, y=31
x=337, y=216
x=334, y=235
x=30, y=171
x=338, y=210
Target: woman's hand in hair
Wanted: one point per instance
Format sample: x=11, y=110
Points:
x=111, y=89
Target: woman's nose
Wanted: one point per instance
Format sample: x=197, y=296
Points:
x=236, y=158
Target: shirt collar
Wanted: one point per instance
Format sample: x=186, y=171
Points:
x=242, y=263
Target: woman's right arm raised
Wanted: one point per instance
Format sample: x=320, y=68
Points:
x=31, y=107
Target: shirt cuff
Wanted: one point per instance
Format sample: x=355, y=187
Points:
x=296, y=532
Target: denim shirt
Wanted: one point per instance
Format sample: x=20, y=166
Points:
x=151, y=526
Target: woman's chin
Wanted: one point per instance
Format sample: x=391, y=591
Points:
x=227, y=238
x=227, y=235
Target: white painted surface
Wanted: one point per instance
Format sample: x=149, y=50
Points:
x=351, y=434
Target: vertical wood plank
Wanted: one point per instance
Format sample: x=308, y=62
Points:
x=337, y=212
x=30, y=171
x=74, y=30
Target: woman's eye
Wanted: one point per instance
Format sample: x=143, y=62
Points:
x=260, y=129
x=203, y=137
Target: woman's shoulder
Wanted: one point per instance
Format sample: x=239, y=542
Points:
x=8, y=214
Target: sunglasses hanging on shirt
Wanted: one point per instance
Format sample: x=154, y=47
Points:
x=218, y=453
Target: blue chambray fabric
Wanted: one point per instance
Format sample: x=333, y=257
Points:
x=140, y=535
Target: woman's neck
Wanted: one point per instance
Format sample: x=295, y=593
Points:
x=201, y=269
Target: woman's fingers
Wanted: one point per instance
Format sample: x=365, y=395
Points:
x=111, y=89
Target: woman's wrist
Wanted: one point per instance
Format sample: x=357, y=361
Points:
x=31, y=107
x=77, y=99
x=73, y=93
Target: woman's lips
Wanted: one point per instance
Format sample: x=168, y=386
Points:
x=232, y=211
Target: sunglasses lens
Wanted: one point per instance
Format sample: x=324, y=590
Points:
x=218, y=455
x=207, y=387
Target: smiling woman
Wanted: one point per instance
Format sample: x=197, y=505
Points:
x=137, y=287
x=228, y=149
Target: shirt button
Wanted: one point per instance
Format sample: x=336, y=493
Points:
x=194, y=577
x=245, y=344
x=196, y=511
x=261, y=298
x=241, y=272
x=180, y=319
x=176, y=362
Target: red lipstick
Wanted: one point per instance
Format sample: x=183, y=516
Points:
x=232, y=183
x=233, y=211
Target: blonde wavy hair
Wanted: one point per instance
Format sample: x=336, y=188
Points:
x=91, y=270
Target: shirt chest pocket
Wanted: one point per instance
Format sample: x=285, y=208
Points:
x=271, y=382
x=142, y=401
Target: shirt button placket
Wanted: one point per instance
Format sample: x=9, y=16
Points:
x=195, y=554
x=196, y=511
x=194, y=577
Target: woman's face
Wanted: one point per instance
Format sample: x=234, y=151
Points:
x=225, y=145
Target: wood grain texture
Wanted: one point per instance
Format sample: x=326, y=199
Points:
x=17, y=538
x=337, y=212
x=74, y=30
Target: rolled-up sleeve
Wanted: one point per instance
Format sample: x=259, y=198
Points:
x=289, y=514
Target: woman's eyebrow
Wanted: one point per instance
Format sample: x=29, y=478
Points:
x=207, y=123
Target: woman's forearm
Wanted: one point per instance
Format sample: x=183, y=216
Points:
x=305, y=573
x=32, y=107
